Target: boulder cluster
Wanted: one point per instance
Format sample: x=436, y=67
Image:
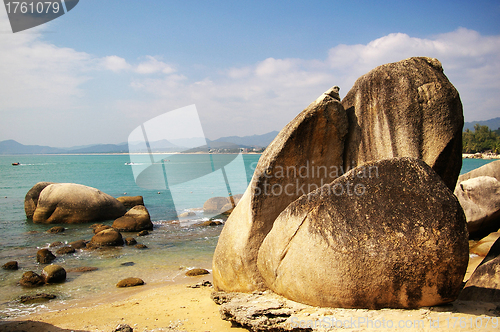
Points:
x=351, y=205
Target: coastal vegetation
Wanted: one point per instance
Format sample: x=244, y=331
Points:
x=482, y=139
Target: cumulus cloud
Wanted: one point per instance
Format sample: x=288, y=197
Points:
x=115, y=63
x=153, y=65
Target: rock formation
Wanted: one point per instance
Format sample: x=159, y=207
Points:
x=403, y=109
x=313, y=140
x=387, y=234
x=30, y=279
x=130, y=282
x=71, y=203
x=406, y=109
x=136, y=219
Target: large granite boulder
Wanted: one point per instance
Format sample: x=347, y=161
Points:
x=406, y=109
x=136, y=219
x=72, y=203
x=387, y=234
x=31, y=198
x=298, y=161
x=478, y=192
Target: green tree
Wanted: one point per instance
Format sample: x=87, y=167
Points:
x=480, y=140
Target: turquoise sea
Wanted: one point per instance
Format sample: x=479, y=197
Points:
x=174, y=246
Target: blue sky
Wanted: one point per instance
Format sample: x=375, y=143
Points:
x=99, y=71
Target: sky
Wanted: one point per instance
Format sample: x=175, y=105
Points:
x=98, y=72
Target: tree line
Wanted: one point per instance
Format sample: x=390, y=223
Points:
x=482, y=139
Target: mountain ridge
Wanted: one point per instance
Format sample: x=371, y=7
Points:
x=9, y=147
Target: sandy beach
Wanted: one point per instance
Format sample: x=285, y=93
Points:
x=178, y=307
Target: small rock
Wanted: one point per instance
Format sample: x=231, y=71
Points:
x=123, y=328
x=143, y=233
x=12, y=265
x=130, y=241
x=53, y=274
x=107, y=237
x=196, y=272
x=131, y=201
x=100, y=227
x=130, y=282
x=40, y=297
x=204, y=283
x=65, y=250
x=56, y=244
x=127, y=264
x=210, y=223
x=187, y=214
x=44, y=256
x=82, y=269
x=56, y=229
x=79, y=244
x=31, y=279
x=141, y=246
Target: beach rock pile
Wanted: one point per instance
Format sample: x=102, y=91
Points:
x=67, y=203
x=479, y=194
x=317, y=230
x=50, y=274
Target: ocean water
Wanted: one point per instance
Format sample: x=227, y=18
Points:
x=173, y=247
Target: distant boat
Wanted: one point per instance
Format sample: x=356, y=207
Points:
x=16, y=164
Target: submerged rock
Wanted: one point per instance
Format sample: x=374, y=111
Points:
x=40, y=297
x=79, y=244
x=56, y=229
x=71, y=203
x=65, y=250
x=396, y=239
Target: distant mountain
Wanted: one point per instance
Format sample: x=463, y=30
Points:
x=254, y=141
x=13, y=147
x=493, y=124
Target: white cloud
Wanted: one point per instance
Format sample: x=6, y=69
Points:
x=115, y=63
x=152, y=65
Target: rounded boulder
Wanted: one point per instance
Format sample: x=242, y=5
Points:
x=136, y=219
x=52, y=274
x=387, y=234
x=68, y=203
x=107, y=237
